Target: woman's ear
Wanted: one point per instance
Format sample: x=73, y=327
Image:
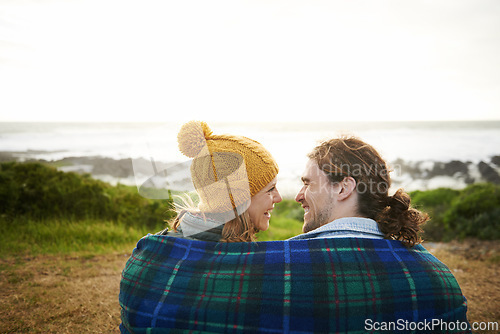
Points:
x=347, y=187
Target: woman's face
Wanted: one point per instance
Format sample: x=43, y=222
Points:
x=262, y=204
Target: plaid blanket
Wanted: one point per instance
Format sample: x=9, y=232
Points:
x=335, y=285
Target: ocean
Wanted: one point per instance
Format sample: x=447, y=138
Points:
x=423, y=155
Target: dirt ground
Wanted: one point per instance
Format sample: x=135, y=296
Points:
x=476, y=266
x=79, y=294
x=54, y=294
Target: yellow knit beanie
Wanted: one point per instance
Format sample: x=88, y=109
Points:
x=226, y=170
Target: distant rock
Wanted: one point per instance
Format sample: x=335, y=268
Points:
x=488, y=173
x=455, y=166
x=6, y=156
x=451, y=168
x=116, y=168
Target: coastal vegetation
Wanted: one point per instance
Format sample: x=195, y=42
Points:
x=43, y=210
x=472, y=212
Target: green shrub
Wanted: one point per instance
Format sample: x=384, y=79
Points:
x=290, y=209
x=286, y=221
x=471, y=212
x=435, y=197
x=40, y=192
x=435, y=202
x=475, y=212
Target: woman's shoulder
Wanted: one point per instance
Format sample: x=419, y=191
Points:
x=171, y=233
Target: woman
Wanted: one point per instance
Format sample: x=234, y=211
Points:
x=235, y=180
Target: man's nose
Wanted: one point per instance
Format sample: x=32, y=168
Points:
x=300, y=196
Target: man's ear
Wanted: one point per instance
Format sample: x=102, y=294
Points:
x=347, y=188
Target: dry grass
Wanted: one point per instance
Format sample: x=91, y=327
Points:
x=476, y=266
x=79, y=294
x=61, y=294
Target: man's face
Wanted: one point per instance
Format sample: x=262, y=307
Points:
x=317, y=197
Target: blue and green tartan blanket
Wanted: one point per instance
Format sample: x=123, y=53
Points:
x=331, y=285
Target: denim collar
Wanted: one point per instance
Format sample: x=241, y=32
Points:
x=347, y=226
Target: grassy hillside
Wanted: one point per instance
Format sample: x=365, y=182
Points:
x=43, y=210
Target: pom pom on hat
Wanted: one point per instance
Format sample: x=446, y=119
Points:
x=192, y=138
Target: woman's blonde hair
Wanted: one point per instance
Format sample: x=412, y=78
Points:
x=238, y=229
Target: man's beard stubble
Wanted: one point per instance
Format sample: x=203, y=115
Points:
x=321, y=218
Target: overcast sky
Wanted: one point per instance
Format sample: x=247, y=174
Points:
x=259, y=60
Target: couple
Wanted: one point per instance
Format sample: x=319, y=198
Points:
x=358, y=266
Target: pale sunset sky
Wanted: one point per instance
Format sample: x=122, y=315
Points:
x=255, y=60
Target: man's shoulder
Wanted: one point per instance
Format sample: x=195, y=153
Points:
x=345, y=227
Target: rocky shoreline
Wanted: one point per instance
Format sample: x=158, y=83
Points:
x=422, y=175
x=433, y=174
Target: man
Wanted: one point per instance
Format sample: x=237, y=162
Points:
x=345, y=198
x=345, y=194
